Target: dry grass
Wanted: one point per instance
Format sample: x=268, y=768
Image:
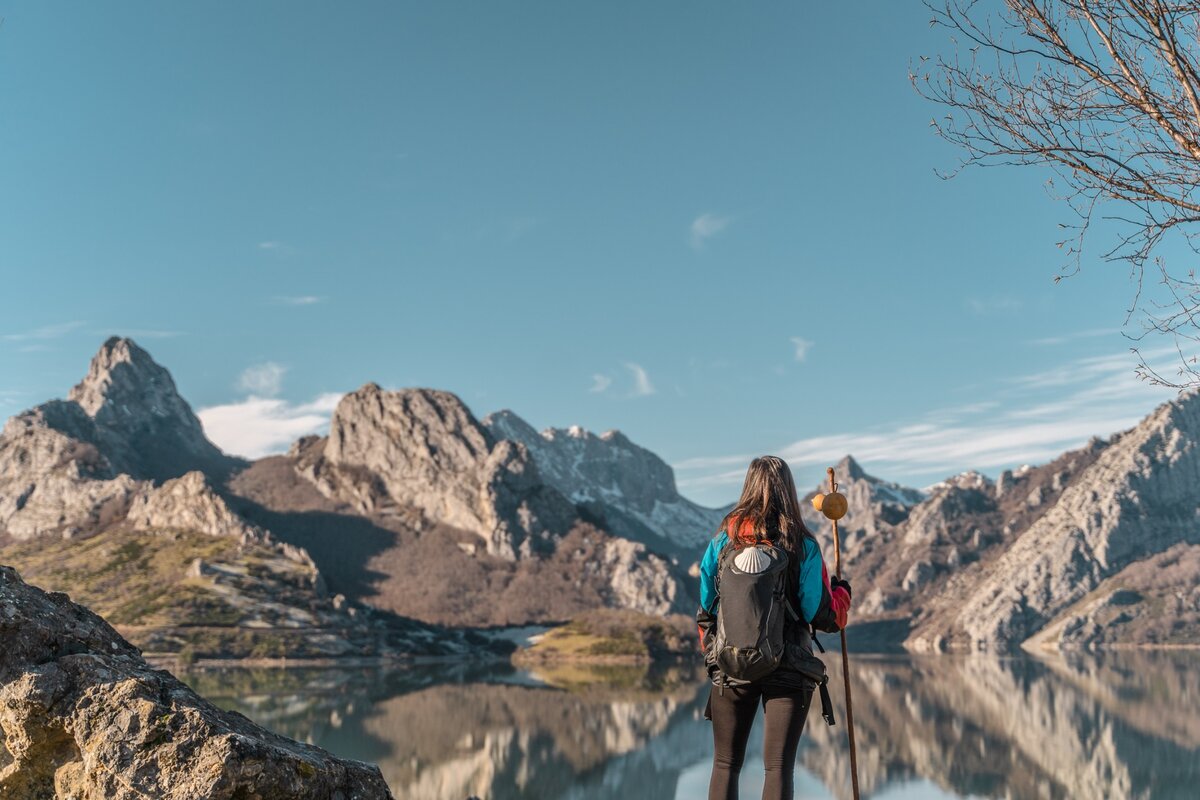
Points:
x=615, y=636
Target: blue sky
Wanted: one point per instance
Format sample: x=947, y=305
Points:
x=719, y=231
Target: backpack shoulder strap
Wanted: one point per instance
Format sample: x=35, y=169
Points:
x=726, y=553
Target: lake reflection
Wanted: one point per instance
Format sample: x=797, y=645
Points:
x=1115, y=725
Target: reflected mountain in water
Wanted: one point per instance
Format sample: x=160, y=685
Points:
x=1114, y=725
x=1109, y=725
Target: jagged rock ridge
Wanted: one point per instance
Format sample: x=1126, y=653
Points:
x=1045, y=556
x=1138, y=498
x=875, y=506
x=73, y=466
x=424, y=449
x=974, y=564
x=125, y=454
x=142, y=425
x=631, y=488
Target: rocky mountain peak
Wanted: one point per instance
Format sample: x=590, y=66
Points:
x=72, y=466
x=612, y=477
x=1129, y=500
x=437, y=428
x=424, y=449
x=119, y=372
x=849, y=470
x=971, y=479
x=876, y=506
x=591, y=467
x=142, y=424
x=507, y=424
x=852, y=478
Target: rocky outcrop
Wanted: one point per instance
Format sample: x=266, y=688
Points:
x=920, y=560
x=496, y=511
x=54, y=483
x=1155, y=602
x=875, y=506
x=1136, y=497
x=189, y=503
x=420, y=448
x=84, y=717
x=142, y=424
x=72, y=467
x=124, y=459
x=638, y=580
x=630, y=488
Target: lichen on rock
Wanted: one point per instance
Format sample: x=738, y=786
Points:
x=84, y=717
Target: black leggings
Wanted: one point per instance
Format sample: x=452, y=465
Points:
x=733, y=715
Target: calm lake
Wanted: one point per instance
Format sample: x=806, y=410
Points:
x=1113, y=725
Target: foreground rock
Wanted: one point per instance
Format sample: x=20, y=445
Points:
x=84, y=717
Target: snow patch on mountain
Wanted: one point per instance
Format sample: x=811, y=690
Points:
x=630, y=486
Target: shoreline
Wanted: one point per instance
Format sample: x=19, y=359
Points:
x=170, y=661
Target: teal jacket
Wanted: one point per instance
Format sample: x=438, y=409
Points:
x=823, y=608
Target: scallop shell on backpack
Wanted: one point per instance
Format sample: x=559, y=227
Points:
x=752, y=560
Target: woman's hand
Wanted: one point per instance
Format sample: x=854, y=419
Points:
x=835, y=582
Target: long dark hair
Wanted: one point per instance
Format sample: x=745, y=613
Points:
x=768, y=510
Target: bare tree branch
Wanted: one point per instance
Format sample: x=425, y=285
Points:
x=1106, y=93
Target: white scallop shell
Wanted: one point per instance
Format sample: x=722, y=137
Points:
x=752, y=560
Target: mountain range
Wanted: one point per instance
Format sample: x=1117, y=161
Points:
x=413, y=519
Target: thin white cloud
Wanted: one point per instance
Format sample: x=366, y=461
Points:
x=260, y=426
x=45, y=332
x=262, y=380
x=705, y=227
x=1050, y=412
x=993, y=305
x=298, y=300
x=641, y=380
x=269, y=245
x=600, y=383
x=802, y=347
x=1071, y=337
x=9, y=398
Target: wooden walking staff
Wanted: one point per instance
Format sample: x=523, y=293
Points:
x=833, y=505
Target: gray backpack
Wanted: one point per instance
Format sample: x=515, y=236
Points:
x=752, y=587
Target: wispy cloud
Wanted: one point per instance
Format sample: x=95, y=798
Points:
x=993, y=305
x=600, y=383
x=45, y=332
x=802, y=347
x=1071, y=337
x=298, y=300
x=642, y=385
x=260, y=426
x=277, y=248
x=262, y=380
x=705, y=227
x=10, y=398
x=1048, y=412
